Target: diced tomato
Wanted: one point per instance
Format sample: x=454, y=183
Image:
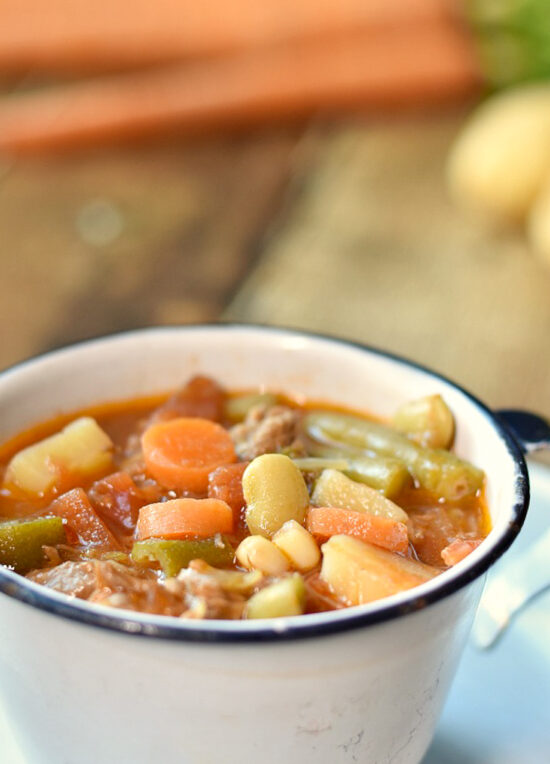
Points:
x=118, y=500
x=226, y=483
x=82, y=519
x=200, y=397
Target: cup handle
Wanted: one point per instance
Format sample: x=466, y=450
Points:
x=531, y=431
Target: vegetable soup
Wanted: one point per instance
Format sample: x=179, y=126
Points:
x=209, y=504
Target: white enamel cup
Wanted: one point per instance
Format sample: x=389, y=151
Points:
x=85, y=684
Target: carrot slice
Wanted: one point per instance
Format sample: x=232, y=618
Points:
x=184, y=518
x=458, y=550
x=180, y=453
x=75, y=507
x=324, y=522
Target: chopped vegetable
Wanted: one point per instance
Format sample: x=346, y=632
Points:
x=180, y=528
x=184, y=518
x=296, y=543
x=359, y=573
x=386, y=474
x=275, y=492
x=22, y=542
x=226, y=483
x=458, y=550
x=428, y=420
x=318, y=464
x=75, y=507
x=80, y=450
x=333, y=489
x=200, y=397
x=258, y=553
x=172, y=555
x=283, y=598
x=118, y=499
x=237, y=407
x=180, y=453
x=437, y=470
x=324, y=522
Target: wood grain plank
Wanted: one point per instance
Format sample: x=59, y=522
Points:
x=373, y=249
x=113, y=240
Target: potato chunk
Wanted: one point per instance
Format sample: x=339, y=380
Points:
x=81, y=449
x=428, y=420
x=358, y=572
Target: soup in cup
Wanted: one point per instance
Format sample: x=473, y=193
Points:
x=86, y=682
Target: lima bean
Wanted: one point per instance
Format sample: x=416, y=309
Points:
x=274, y=491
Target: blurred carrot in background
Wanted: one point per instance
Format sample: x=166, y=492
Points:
x=355, y=70
x=219, y=64
x=68, y=34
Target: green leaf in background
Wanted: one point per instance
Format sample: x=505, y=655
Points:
x=513, y=38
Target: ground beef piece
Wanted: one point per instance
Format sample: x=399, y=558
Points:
x=105, y=582
x=122, y=587
x=77, y=579
x=206, y=596
x=267, y=429
x=110, y=583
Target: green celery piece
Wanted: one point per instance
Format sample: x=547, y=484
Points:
x=172, y=556
x=438, y=470
x=283, y=598
x=21, y=541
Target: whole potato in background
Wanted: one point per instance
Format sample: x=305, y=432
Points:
x=538, y=224
x=501, y=160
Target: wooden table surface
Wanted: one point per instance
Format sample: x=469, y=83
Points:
x=343, y=227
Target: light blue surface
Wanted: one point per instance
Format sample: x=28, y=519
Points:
x=498, y=711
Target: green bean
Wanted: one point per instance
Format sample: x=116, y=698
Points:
x=334, y=489
x=237, y=407
x=384, y=473
x=22, y=542
x=315, y=464
x=437, y=470
x=173, y=555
